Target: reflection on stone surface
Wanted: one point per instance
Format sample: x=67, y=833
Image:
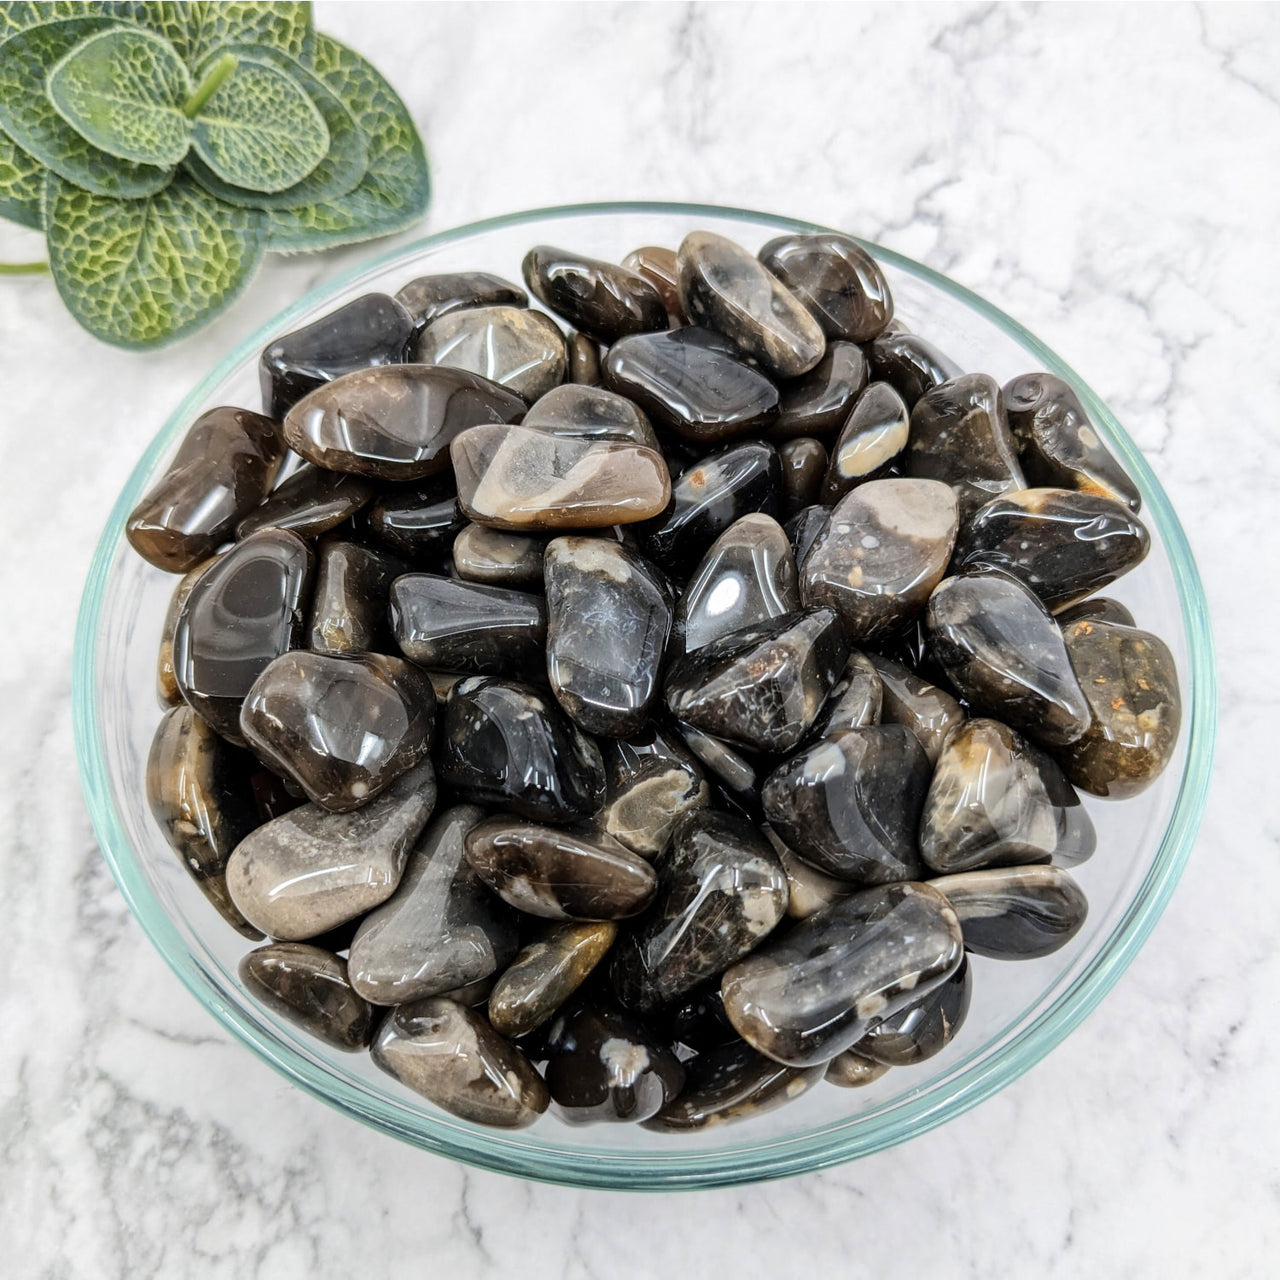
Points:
x=924, y=1028
x=349, y=605
x=658, y=267
x=591, y=413
x=166, y=680
x=872, y=438
x=850, y=1070
x=429, y=297
x=417, y=520
x=836, y=279
x=546, y=973
x=818, y=403
x=310, y=502
x=909, y=364
x=309, y=986
x=804, y=466
x=907, y=699
x=606, y=301
x=521, y=350
x=854, y=701
x=497, y=558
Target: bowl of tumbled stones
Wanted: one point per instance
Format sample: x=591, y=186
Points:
x=645, y=696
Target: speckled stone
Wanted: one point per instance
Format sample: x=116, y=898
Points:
x=809, y=995
x=870, y=441
x=908, y=699
x=818, y=402
x=1096, y=609
x=658, y=266
x=310, y=502
x=546, y=973
x=854, y=701
x=808, y=889
x=838, y=281
x=521, y=350
x=498, y=559
x=349, y=604
x=606, y=301
x=167, y=690
x=850, y=1070
x=804, y=466
x=909, y=364
x=419, y=520
x=308, y=985
x=924, y=1028
x=591, y=413
x=804, y=529
x=430, y=297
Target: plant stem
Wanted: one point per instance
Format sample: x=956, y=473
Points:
x=23, y=268
x=210, y=85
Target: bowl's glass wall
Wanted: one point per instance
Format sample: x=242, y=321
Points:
x=1019, y=1011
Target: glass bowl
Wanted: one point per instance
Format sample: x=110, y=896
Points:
x=1019, y=1011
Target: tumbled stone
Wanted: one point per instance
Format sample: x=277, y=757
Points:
x=608, y=619
x=909, y=364
x=923, y=1028
x=836, y=279
x=1130, y=685
x=854, y=701
x=693, y=382
x=804, y=529
x=310, y=870
x=342, y=726
x=1059, y=445
x=1015, y=913
x=762, y=686
x=808, y=889
x=872, y=438
x=819, y=402
x=804, y=466
x=658, y=266
x=814, y=992
x=522, y=479
x=498, y=559
x=308, y=985
x=521, y=350
x=738, y=774
x=417, y=520
x=724, y=288
x=1003, y=652
x=454, y=1058
x=908, y=699
x=722, y=890
x=310, y=502
x=606, y=1067
x=604, y=300
x=960, y=435
x=198, y=790
x=557, y=874
x=1062, y=544
x=996, y=800
x=850, y=804
x=584, y=360
x=747, y=577
x=850, y=1070
x=546, y=973
x=698, y=1020
x=430, y=297
x=349, y=604
x=591, y=413
x=508, y=744
x=885, y=548
x=466, y=626
x=441, y=930
x=225, y=465
x=245, y=611
x=166, y=679
x=370, y=330
x=732, y=1083
x=1096, y=609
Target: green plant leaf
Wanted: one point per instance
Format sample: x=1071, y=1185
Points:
x=339, y=172
x=28, y=117
x=123, y=90
x=260, y=130
x=139, y=273
x=18, y=15
x=202, y=28
x=21, y=184
x=394, y=190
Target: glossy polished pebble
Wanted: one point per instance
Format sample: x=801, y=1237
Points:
x=658, y=266
x=370, y=330
x=606, y=1067
x=850, y=1070
x=394, y=422
x=1003, y=652
x=909, y=364
x=1015, y=913
x=224, y=467
x=819, y=402
x=737, y=773
x=732, y=1083
x=349, y=604
x=884, y=550
x=699, y=1022
x=418, y=520
x=722, y=890
x=546, y=973
x=996, y=800
x=608, y=619
x=804, y=529
x=465, y=626
x=167, y=690
x=652, y=780
x=591, y=413
x=606, y=301
x=508, y=744
x=804, y=467
x=199, y=792
x=854, y=701
x=308, y=985
x=813, y=993
x=808, y=889
x=710, y=496
x=1058, y=443
x=1130, y=685
x=924, y=1028
x=850, y=804
x=498, y=559
x=762, y=686
x=521, y=479
x=559, y=875
x=584, y=360
x=441, y=930
x=1096, y=609
x=872, y=438
x=342, y=726
x=747, y=577
x=454, y=1058
x=429, y=297
x=693, y=382
x=836, y=279
x=1062, y=544
x=724, y=288
x=249, y=608
x=310, y=870
x=310, y=502
x=521, y=350
x=908, y=699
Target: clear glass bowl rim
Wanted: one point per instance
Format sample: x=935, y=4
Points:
x=678, y=1169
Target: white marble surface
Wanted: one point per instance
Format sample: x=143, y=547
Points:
x=1106, y=174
